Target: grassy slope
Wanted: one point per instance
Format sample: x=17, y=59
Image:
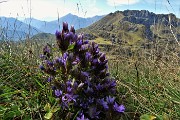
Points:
x=149, y=83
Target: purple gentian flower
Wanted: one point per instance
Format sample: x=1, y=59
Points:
x=82, y=118
x=89, y=90
x=99, y=87
x=77, y=60
x=75, y=85
x=103, y=103
x=49, y=79
x=65, y=26
x=95, y=61
x=110, y=100
x=68, y=83
x=72, y=29
x=41, y=67
x=58, y=93
x=84, y=74
x=118, y=108
x=69, y=98
x=86, y=42
x=50, y=63
x=88, y=56
x=42, y=56
x=112, y=83
x=79, y=43
x=93, y=113
x=58, y=35
x=69, y=89
x=90, y=100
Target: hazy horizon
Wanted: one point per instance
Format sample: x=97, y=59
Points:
x=48, y=10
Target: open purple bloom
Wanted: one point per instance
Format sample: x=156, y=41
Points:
x=58, y=93
x=112, y=83
x=58, y=35
x=110, y=100
x=69, y=89
x=65, y=56
x=99, y=87
x=49, y=79
x=90, y=100
x=103, y=103
x=82, y=118
x=118, y=108
x=50, y=63
x=69, y=97
x=79, y=43
x=93, y=113
x=68, y=83
x=42, y=56
x=89, y=90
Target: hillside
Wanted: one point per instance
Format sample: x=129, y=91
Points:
x=34, y=22
x=133, y=26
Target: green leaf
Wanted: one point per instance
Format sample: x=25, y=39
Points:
x=147, y=117
x=10, y=93
x=2, y=110
x=47, y=107
x=163, y=117
x=71, y=47
x=48, y=115
x=10, y=114
x=16, y=110
x=40, y=84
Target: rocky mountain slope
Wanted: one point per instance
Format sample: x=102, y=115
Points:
x=133, y=26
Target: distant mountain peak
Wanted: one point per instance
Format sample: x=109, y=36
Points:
x=133, y=26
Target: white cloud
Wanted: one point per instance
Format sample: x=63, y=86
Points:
x=121, y=2
x=42, y=9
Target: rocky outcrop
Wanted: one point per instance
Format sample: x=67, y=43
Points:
x=148, y=19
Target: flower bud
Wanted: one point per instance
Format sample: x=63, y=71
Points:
x=72, y=29
x=65, y=27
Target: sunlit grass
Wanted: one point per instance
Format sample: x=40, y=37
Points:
x=155, y=90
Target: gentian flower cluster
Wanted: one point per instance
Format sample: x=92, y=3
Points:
x=80, y=79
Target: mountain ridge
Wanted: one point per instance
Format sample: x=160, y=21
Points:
x=14, y=29
x=132, y=26
x=52, y=26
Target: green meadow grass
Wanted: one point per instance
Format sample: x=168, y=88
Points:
x=149, y=84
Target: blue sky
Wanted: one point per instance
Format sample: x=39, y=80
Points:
x=49, y=9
